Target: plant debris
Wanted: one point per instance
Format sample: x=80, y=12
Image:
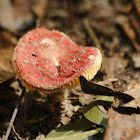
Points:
x=122, y=126
x=111, y=26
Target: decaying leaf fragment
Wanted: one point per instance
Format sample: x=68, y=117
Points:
x=112, y=65
x=136, y=59
x=136, y=102
x=5, y=75
x=122, y=127
x=92, y=88
x=124, y=121
x=132, y=26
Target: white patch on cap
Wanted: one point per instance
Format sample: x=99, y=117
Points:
x=48, y=42
x=55, y=61
x=91, y=57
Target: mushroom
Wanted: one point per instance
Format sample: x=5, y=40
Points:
x=48, y=61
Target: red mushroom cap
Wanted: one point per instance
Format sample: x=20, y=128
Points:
x=49, y=60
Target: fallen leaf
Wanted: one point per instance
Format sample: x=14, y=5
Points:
x=76, y=135
x=5, y=75
x=24, y=16
x=111, y=65
x=7, y=43
x=108, y=82
x=132, y=107
x=95, y=112
x=6, y=59
x=134, y=103
x=7, y=15
x=74, y=131
x=40, y=8
x=86, y=99
x=122, y=127
x=131, y=27
x=92, y=88
x=136, y=59
x=6, y=68
x=134, y=92
x=133, y=85
x=137, y=5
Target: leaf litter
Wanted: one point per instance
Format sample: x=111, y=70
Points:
x=113, y=26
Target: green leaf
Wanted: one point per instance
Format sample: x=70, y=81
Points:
x=74, y=131
x=78, y=126
x=76, y=135
x=79, y=129
x=95, y=112
x=95, y=115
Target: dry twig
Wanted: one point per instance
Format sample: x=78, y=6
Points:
x=14, y=115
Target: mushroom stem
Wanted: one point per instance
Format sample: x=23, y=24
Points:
x=65, y=91
x=66, y=104
x=14, y=115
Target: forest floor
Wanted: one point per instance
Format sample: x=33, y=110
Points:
x=111, y=26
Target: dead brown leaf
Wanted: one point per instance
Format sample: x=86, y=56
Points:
x=40, y=8
x=134, y=103
x=96, y=89
x=122, y=127
x=4, y=76
x=7, y=43
x=108, y=82
x=132, y=107
x=111, y=65
x=6, y=55
x=136, y=59
x=133, y=85
x=137, y=6
x=86, y=99
x=131, y=27
x=24, y=17
x=17, y=15
x=7, y=15
x=134, y=92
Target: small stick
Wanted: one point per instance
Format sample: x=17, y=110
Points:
x=17, y=135
x=14, y=115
